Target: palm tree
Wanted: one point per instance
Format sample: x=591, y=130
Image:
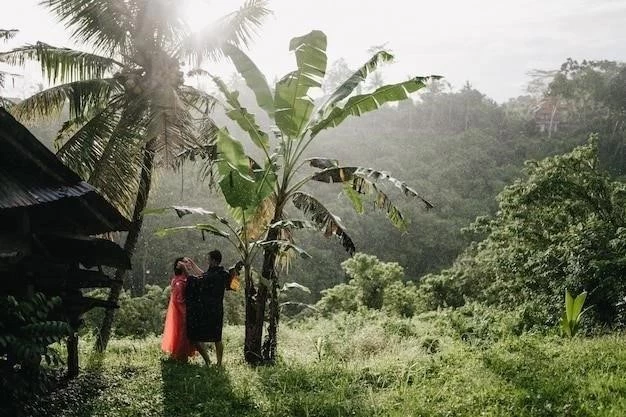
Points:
x=5, y=35
x=260, y=193
x=129, y=108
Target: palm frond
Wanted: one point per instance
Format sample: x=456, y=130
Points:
x=324, y=219
x=6, y=34
x=117, y=173
x=199, y=100
x=83, y=96
x=235, y=28
x=62, y=64
x=107, y=151
x=171, y=124
x=104, y=24
x=4, y=102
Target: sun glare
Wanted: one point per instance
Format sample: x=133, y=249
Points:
x=200, y=13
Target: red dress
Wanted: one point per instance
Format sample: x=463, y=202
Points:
x=175, y=341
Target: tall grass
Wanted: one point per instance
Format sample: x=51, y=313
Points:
x=358, y=365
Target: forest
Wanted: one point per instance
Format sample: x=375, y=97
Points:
x=471, y=258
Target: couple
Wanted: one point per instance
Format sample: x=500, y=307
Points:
x=195, y=314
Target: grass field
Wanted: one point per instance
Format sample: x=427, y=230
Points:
x=357, y=366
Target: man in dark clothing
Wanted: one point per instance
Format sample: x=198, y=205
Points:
x=204, y=298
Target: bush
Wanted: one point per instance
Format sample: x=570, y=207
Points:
x=373, y=285
x=143, y=316
x=137, y=317
x=26, y=333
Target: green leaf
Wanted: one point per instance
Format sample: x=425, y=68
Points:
x=253, y=78
x=284, y=246
x=244, y=184
x=293, y=106
x=345, y=89
x=182, y=211
x=244, y=119
x=569, y=306
x=322, y=163
x=324, y=219
x=358, y=105
x=62, y=64
x=355, y=198
x=82, y=96
x=292, y=223
x=295, y=285
x=7, y=34
x=577, y=305
x=367, y=176
x=205, y=228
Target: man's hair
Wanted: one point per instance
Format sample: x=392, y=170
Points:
x=216, y=256
x=177, y=269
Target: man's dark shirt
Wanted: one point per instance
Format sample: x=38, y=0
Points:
x=204, y=297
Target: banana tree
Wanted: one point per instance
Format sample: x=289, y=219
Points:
x=237, y=235
x=129, y=108
x=279, y=182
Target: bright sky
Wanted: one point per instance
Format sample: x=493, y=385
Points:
x=491, y=43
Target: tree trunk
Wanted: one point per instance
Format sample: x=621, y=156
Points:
x=271, y=341
x=72, y=354
x=270, y=276
x=255, y=308
x=129, y=244
x=255, y=312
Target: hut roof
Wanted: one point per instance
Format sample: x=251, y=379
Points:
x=34, y=181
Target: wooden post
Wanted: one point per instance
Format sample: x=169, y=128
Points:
x=72, y=349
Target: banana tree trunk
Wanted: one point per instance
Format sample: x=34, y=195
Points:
x=271, y=341
x=129, y=244
x=255, y=311
x=270, y=276
x=256, y=300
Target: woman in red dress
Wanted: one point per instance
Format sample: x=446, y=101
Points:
x=175, y=341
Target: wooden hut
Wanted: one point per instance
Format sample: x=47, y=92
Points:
x=48, y=219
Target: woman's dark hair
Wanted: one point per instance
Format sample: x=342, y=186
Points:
x=177, y=269
x=216, y=256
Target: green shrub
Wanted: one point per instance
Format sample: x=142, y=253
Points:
x=26, y=333
x=137, y=317
x=402, y=299
x=373, y=285
x=342, y=297
x=143, y=316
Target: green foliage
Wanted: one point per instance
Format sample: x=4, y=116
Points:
x=373, y=285
x=402, y=299
x=372, y=365
x=573, y=313
x=372, y=277
x=341, y=297
x=26, y=333
x=560, y=227
x=138, y=317
x=143, y=316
